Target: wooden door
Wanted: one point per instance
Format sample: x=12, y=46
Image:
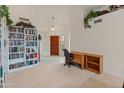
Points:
x=54, y=45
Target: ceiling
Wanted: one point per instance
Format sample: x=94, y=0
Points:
x=86, y=7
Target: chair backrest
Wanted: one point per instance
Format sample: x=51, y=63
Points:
x=67, y=55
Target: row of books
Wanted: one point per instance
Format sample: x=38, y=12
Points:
x=31, y=32
x=16, y=42
x=28, y=37
x=30, y=56
x=15, y=29
x=16, y=49
x=16, y=65
x=33, y=43
x=21, y=36
x=22, y=64
x=16, y=36
x=31, y=62
x=30, y=50
x=21, y=30
x=16, y=56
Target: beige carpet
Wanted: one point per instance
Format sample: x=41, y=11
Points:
x=95, y=83
x=55, y=75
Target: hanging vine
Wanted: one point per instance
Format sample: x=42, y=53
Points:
x=90, y=15
x=4, y=12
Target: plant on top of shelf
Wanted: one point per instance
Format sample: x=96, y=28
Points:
x=113, y=8
x=90, y=15
x=39, y=38
x=24, y=24
x=4, y=12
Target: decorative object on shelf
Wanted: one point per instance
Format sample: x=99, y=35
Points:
x=39, y=39
x=26, y=20
x=4, y=11
x=113, y=8
x=24, y=24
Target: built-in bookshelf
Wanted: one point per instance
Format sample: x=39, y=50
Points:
x=16, y=48
x=22, y=48
x=31, y=46
x=1, y=54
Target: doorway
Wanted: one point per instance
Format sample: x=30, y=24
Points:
x=54, y=45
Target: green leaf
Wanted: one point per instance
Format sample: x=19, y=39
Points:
x=92, y=14
x=4, y=11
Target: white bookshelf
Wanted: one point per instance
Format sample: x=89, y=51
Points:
x=31, y=46
x=16, y=51
x=1, y=76
x=21, y=39
x=2, y=53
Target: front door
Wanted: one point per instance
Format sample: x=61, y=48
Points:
x=54, y=45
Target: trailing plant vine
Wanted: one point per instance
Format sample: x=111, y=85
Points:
x=4, y=11
x=93, y=14
x=90, y=15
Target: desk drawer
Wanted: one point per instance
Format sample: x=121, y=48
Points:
x=77, y=59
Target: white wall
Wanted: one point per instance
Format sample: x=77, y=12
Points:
x=106, y=38
x=45, y=43
x=40, y=15
x=76, y=29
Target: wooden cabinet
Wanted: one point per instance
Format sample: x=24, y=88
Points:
x=94, y=63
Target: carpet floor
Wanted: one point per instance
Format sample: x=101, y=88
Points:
x=55, y=75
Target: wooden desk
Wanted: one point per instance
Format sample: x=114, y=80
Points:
x=78, y=58
x=91, y=62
